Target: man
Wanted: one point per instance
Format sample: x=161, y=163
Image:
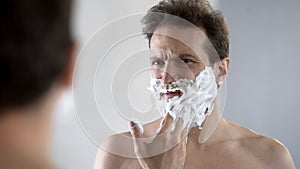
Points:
x=181, y=53
x=36, y=66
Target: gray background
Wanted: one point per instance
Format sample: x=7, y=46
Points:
x=262, y=83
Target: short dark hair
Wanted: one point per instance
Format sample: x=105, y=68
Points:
x=198, y=13
x=35, y=40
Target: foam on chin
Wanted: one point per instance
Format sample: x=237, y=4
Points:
x=195, y=103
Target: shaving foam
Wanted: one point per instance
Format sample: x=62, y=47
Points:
x=195, y=103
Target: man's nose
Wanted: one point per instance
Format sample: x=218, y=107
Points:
x=167, y=78
x=168, y=75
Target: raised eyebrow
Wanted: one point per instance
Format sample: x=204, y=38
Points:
x=157, y=56
x=153, y=57
x=186, y=55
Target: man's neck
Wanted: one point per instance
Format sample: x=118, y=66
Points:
x=213, y=130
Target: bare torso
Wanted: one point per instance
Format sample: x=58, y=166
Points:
x=230, y=147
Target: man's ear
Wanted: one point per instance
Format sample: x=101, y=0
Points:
x=221, y=70
x=68, y=74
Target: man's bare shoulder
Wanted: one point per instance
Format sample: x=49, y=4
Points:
x=268, y=150
x=117, y=150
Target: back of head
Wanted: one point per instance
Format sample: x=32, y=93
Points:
x=34, y=45
x=196, y=12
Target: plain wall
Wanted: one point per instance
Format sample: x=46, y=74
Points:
x=262, y=86
x=263, y=82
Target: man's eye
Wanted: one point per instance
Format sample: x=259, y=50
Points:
x=187, y=61
x=157, y=62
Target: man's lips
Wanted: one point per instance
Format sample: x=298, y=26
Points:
x=170, y=95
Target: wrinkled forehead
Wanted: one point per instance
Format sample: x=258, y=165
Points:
x=180, y=38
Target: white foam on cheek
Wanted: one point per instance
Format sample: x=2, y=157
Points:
x=197, y=97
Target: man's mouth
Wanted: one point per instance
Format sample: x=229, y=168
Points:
x=169, y=95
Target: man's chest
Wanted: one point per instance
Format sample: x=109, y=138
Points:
x=208, y=162
x=223, y=160
x=217, y=157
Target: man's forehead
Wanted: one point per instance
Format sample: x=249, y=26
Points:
x=190, y=36
x=162, y=42
x=181, y=33
x=177, y=40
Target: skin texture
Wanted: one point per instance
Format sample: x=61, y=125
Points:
x=230, y=146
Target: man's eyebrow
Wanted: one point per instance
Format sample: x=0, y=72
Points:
x=157, y=55
x=187, y=55
x=154, y=56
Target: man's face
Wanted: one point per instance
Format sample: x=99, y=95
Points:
x=177, y=57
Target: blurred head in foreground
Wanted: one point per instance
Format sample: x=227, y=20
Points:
x=36, y=65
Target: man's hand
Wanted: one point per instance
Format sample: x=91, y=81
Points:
x=167, y=149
